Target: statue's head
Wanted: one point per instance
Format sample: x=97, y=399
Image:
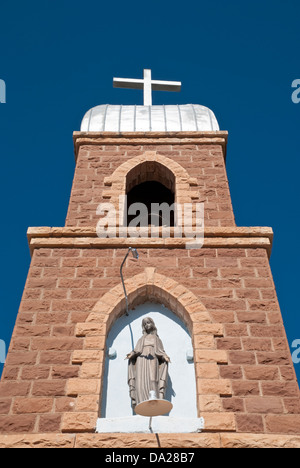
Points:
x=148, y=326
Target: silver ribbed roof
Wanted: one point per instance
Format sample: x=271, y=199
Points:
x=178, y=118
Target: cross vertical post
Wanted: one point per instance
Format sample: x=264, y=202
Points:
x=147, y=88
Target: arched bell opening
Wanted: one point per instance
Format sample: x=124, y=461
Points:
x=150, y=190
x=158, y=201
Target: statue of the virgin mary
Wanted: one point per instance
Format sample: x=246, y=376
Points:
x=147, y=366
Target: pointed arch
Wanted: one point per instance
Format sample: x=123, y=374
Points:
x=150, y=166
x=147, y=286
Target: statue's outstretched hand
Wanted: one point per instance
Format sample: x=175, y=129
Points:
x=129, y=355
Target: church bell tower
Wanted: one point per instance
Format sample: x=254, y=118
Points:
x=150, y=260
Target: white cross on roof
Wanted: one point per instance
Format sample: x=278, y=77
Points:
x=147, y=84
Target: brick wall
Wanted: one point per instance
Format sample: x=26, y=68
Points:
x=204, y=163
x=246, y=384
x=234, y=285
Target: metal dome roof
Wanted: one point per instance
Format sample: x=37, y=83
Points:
x=171, y=118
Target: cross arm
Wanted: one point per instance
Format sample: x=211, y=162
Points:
x=166, y=85
x=128, y=83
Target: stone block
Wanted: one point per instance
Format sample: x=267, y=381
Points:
x=219, y=421
x=214, y=387
x=37, y=441
x=79, y=422
x=83, y=386
x=218, y=356
x=285, y=423
x=264, y=441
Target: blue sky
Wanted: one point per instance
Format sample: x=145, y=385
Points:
x=237, y=58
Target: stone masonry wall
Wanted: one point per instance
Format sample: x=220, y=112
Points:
x=234, y=285
x=246, y=385
x=96, y=162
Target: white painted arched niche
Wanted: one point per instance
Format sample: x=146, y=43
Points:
x=123, y=336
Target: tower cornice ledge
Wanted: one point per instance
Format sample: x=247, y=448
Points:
x=121, y=440
x=150, y=138
x=86, y=237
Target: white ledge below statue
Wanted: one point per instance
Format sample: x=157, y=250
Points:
x=140, y=424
